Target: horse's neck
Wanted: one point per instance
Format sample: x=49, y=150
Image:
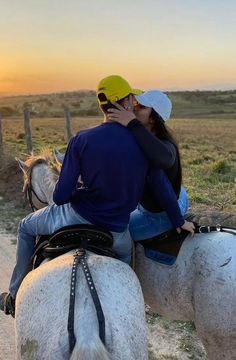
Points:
x=43, y=182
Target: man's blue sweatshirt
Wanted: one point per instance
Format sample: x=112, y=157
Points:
x=103, y=176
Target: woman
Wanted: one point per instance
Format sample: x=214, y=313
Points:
x=147, y=124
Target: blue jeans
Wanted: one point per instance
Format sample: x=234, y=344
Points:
x=45, y=222
x=145, y=224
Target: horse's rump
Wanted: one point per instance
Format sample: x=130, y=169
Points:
x=43, y=303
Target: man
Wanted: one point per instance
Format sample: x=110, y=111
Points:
x=112, y=171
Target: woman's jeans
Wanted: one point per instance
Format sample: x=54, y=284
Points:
x=45, y=222
x=145, y=224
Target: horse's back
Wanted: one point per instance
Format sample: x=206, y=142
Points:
x=214, y=254
x=43, y=303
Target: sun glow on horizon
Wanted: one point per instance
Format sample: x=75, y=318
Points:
x=52, y=47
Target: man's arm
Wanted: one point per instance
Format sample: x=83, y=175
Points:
x=69, y=175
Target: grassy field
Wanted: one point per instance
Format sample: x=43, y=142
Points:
x=208, y=149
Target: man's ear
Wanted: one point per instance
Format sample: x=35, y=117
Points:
x=128, y=102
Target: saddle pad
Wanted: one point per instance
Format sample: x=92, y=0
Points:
x=164, y=248
x=159, y=257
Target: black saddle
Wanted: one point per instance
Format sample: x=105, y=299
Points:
x=170, y=241
x=165, y=247
x=71, y=237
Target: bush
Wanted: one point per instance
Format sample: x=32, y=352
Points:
x=7, y=111
x=219, y=167
x=20, y=136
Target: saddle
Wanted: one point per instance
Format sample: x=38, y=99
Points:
x=86, y=236
x=164, y=248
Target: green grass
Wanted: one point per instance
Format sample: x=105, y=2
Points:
x=188, y=345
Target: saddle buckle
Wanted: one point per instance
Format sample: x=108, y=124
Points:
x=204, y=229
x=80, y=252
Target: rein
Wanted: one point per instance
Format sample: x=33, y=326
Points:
x=29, y=190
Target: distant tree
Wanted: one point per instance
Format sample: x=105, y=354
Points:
x=7, y=111
x=26, y=105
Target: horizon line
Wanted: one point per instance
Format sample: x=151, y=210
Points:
x=8, y=95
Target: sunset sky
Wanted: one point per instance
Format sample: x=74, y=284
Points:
x=59, y=45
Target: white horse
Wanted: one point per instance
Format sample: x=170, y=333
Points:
x=42, y=301
x=200, y=286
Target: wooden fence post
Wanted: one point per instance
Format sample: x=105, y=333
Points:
x=68, y=123
x=28, y=132
x=1, y=137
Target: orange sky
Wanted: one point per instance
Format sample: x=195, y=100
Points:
x=52, y=46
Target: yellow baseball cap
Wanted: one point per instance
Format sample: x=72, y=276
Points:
x=113, y=88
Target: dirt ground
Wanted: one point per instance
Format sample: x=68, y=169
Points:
x=7, y=258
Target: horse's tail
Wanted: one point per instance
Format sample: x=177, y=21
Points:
x=88, y=344
x=89, y=349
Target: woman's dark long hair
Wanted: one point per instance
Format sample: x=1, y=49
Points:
x=161, y=131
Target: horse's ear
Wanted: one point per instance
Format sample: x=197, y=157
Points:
x=22, y=165
x=58, y=156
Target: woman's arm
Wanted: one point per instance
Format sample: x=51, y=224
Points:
x=166, y=197
x=161, y=154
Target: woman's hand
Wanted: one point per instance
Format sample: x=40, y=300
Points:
x=189, y=226
x=121, y=115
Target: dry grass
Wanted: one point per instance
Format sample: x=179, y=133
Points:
x=208, y=149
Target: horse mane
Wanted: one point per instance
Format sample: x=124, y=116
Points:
x=45, y=156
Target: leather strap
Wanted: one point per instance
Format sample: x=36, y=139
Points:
x=80, y=257
x=206, y=229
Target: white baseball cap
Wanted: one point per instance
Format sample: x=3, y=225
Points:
x=157, y=100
